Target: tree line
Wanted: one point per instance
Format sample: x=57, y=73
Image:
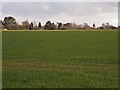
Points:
x=10, y=23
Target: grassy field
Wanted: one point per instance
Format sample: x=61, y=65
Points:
x=60, y=59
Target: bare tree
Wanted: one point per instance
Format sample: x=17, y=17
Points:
x=80, y=26
x=25, y=24
x=86, y=26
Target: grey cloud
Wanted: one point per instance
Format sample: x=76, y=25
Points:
x=47, y=10
x=56, y=8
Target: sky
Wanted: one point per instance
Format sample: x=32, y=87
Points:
x=75, y=12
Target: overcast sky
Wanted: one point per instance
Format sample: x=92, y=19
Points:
x=78, y=12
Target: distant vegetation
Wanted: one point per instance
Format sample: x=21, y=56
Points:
x=10, y=23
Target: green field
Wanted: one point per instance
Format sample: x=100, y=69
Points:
x=60, y=59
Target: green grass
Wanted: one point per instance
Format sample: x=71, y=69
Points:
x=75, y=59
